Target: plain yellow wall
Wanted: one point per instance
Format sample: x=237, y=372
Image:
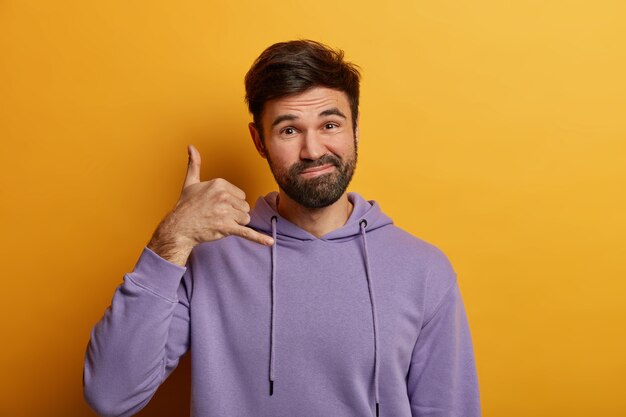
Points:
x=494, y=129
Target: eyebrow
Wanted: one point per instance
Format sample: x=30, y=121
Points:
x=283, y=117
x=333, y=111
x=328, y=112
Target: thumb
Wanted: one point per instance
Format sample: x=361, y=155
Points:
x=193, y=167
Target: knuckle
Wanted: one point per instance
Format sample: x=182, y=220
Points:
x=221, y=212
x=219, y=182
x=255, y=237
x=222, y=196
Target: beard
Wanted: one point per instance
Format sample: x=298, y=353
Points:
x=322, y=190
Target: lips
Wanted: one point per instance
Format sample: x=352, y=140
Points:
x=318, y=169
x=309, y=169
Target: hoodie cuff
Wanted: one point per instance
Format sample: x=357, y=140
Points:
x=157, y=274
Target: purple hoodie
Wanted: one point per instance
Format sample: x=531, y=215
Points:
x=367, y=319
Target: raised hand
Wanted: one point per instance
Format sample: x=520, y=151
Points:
x=205, y=211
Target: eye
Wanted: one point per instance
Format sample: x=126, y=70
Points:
x=330, y=126
x=288, y=131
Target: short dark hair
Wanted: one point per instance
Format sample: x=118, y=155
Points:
x=293, y=67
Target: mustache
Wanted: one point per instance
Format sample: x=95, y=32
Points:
x=323, y=160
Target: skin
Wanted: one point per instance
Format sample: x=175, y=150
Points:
x=305, y=127
x=308, y=126
x=206, y=211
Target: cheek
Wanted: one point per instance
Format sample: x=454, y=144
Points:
x=282, y=156
x=344, y=148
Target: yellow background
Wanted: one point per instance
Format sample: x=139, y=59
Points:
x=495, y=130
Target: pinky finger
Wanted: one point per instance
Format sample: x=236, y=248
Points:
x=252, y=235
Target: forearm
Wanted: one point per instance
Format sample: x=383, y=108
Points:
x=129, y=353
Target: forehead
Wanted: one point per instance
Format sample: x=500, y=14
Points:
x=307, y=104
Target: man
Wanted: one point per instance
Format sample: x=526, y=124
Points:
x=313, y=303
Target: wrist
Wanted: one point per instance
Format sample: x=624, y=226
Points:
x=169, y=245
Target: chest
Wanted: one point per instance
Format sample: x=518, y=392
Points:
x=321, y=301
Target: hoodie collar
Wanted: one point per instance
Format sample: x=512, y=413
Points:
x=265, y=209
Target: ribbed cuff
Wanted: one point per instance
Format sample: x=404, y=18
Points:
x=157, y=274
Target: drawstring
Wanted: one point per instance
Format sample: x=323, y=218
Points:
x=272, y=337
x=363, y=225
x=368, y=273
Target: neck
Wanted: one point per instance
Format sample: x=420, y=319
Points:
x=319, y=221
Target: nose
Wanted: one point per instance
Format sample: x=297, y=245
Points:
x=312, y=146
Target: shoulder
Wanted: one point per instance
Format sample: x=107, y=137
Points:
x=429, y=255
x=429, y=265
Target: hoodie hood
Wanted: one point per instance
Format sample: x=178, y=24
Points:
x=369, y=211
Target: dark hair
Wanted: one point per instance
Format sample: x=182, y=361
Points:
x=293, y=67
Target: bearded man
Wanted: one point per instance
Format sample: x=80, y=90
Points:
x=313, y=303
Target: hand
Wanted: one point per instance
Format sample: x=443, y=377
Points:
x=205, y=211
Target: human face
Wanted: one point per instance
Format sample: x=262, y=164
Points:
x=310, y=145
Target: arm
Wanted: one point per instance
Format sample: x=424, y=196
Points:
x=442, y=380
x=140, y=338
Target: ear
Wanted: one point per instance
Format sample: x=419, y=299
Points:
x=256, y=138
x=356, y=130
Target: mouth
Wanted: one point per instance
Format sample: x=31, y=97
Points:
x=318, y=170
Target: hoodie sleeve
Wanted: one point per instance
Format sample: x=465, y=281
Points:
x=139, y=340
x=442, y=379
